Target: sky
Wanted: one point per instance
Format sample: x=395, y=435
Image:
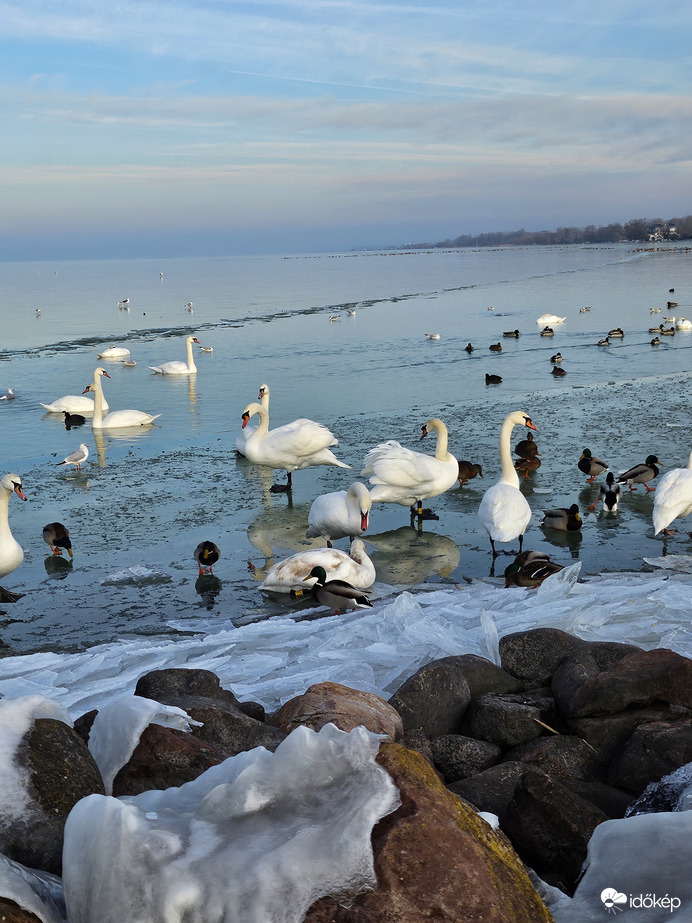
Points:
x=212, y=127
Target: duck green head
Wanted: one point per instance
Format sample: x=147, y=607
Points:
x=652, y=460
x=319, y=573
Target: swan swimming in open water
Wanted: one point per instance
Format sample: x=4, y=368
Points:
x=178, y=367
x=117, y=418
x=11, y=552
x=114, y=352
x=293, y=446
x=504, y=510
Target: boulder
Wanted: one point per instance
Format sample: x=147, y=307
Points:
x=435, y=698
x=458, y=757
x=482, y=675
x=491, y=790
x=347, y=708
x=561, y=756
x=653, y=751
x=612, y=801
x=436, y=859
x=509, y=720
x=609, y=733
x=13, y=913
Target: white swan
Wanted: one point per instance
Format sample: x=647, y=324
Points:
x=73, y=403
x=673, y=498
x=504, y=510
x=344, y=512
x=355, y=568
x=11, y=553
x=247, y=431
x=550, y=319
x=683, y=324
x=117, y=418
x=400, y=475
x=178, y=367
x=115, y=352
x=295, y=445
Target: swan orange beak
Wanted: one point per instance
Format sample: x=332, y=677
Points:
x=364, y=518
x=246, y=417
x=424, y=433
x=20, y=493
x=530, y=424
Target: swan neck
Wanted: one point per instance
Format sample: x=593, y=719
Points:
x=442, y=439
x=263, y=425
x=4, y=512
x=191, y=358
x=509, y=473
x=98, y=402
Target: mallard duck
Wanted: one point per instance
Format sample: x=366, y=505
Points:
x=558, y=370
x=504, y=511
x=495, y=347
x=56, y=535
x=640, y=474
x=206, y=554
x=591, y=465
x=527, y=448
x=355, y=568
x=514, y=334
x=73, y=419
x=492, y=379
x=11, y=553
x=604, y=342
x=530, y=569
x=341, y=513
x=585, y=309
x=609, y=493
x=468, y=348
x=673, y=498
x=668, y=332
x=562, y=519
x=336, y=594
x=655, y=342
x=467, y=471
x=557, y=358
x=547, y=332
x=526, y=465
x=656, y=329
x=616, y=332
x=78, y=457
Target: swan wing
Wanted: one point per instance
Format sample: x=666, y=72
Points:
x=673, y=498
x=504, y=512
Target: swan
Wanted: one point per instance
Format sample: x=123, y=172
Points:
x=293, y=446
x=400, y=475
x=78, y=457
x=115, y=352
x=504, y=511
x=336, y=594
x=117, y=418
x=247, y=431
x=73, y=403
x=342, y=513
x=57, y=536
x=550, y=319
x=673, y=498
x=11, y=553
x=683, y=324
x=355, y=568
x=178, y=367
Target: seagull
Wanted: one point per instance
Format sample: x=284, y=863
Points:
x=206, y=349
x=9, y=396
x=125, y=301
x=78, y=457
x=189, y=304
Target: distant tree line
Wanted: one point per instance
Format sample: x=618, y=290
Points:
x=635, y=230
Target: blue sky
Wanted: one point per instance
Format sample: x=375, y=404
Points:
x=182, y=127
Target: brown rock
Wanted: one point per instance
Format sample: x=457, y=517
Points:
x=13, y=913
x=436, y=859
x=458, y=757
x=609, y=733
x=435, y=698
x=345, y=707
x=562, y=756
x=653, y=751
x=509, y=720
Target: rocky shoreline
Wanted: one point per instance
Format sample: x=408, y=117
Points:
x=562, y=736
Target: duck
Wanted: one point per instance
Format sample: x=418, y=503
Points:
x=350, y=312
x=655, y=342
x=469, y=348
x=8, y=396
x=669, y=318
x=550, y=319
x=73, y=419
x=467, y=471
x=668, y=332
x=585, y=309
x=682, y=323
x=641, y=474
x=530, y=569
x=504, y=511
x=11, y=553
x=114, y=352
x=401, y=475
x=591, y=465
x=492, y=379
x=116, y=419
x=527, y=448
x=514, y=334
x=547, y=332
x=355, y=568
x=293, y=446
x=673, y=498
x=671, y=304
x=557, y=370
x=340, y=514
x=78, y=457
x=336, y=594
x=206, y=349
x=334, y=317
x=557, y=358
x=562, y=519
x=609, y=493
x=654, y=310
x=56, y=535
x=129, y=364
x=656, y=329
x=206, y=554
x=616, y=332
x=189, y=304
x=247, y=431
x=433, y=336
x=495, y=347
x=73, y=403
x=178, y=367
x=604, y=342
x=526, y=465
